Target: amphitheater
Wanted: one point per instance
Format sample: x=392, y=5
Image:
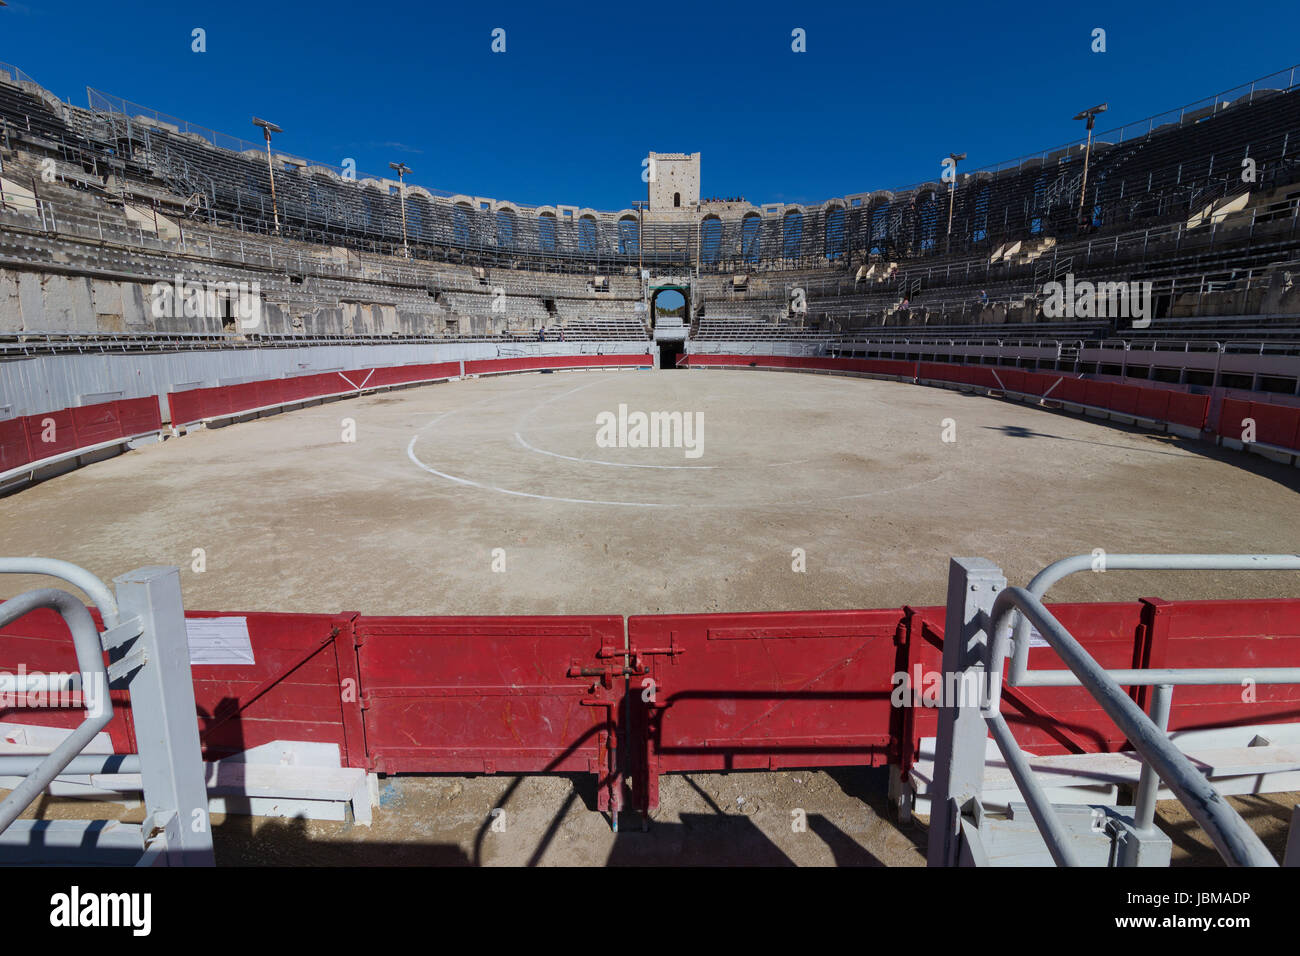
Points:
x=337, y=442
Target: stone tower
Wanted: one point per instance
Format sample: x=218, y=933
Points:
x=676, y=183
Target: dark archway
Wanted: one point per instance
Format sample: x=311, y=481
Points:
x=670, y=351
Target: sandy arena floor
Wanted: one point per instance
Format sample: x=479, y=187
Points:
x=405, y=520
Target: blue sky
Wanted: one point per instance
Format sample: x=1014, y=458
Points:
x=583, y=91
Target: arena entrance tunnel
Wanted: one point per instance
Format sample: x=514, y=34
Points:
x=669, y=352
x=669, y=315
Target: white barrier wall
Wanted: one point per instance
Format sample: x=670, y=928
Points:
x=49, y=382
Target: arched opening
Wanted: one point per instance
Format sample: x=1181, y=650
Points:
x=980, y=231
x=834, y=237
x=460, y=224
x=629, y=240
x=792, y=234
x=880, y=229
x=668, y=303
x=927, y=220
x=710, y=240
x=546, y=232
x=1039, y=202
x=751, y=233
x=417, y=214
x=669, y=316
x=677, y=200
x=505, y=228
x=587, y=235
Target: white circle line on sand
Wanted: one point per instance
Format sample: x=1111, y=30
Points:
x=410, y=452
x=618, y=464
x=612, y=464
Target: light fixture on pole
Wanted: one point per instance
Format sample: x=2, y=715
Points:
x=267, y=129
x=640, y=232
x=1091, y=117
x=402, y=170
x=952, y=190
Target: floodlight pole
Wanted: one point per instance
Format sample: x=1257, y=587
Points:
x=1091, y=117
x=952, y=192
x=267, y=129
x=699, y=236
x=640, y=233
x=402, y=170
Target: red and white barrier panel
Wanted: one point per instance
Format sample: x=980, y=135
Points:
x=206, y=404
x=534, y=693
x=1157, y=404
x=1262, y=423
x=34, y=441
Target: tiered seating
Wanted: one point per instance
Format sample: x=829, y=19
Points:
x=608, y=329
x=1013, y=231
x=1171, y=172
x=740, y=329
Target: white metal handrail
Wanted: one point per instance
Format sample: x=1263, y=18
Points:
x=1054, y=572
x=1232, y=836
x=90, y=660
x=1017, y=608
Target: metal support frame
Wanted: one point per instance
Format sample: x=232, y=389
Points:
x=162, y=700
x=982, y=620
x=149, y=655
x=92, y=682
x=1019, y=676
x=959, y=749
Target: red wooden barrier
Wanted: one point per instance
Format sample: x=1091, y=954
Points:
x=1150, y=633
x=139, y=415
x=1274, y=424
x=13, y=444
x=1187, y=409
x=197, y=404
x=708, y=692
x=1045, y=720
x=94, y=424
x=39, y=643
x=303, y=684
x=1166, y=405
x=50, y=434
x=34, y=438
x=746, y=691
x=296, y=688
x=482, y=694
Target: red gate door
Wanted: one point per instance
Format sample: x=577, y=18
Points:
x=761, y=691
x=489, y=694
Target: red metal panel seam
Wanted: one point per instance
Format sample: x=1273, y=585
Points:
x=356, y=751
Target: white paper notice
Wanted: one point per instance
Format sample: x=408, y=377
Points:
x=219, y=640
x=1036, y=639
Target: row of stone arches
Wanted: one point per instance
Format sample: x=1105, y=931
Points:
x=913, y=223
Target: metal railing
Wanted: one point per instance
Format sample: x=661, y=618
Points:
x=482, y=241
x=91, y=682
x=40, y=770
x=1016, y=609
x=151, y=660
x=1280, y=81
